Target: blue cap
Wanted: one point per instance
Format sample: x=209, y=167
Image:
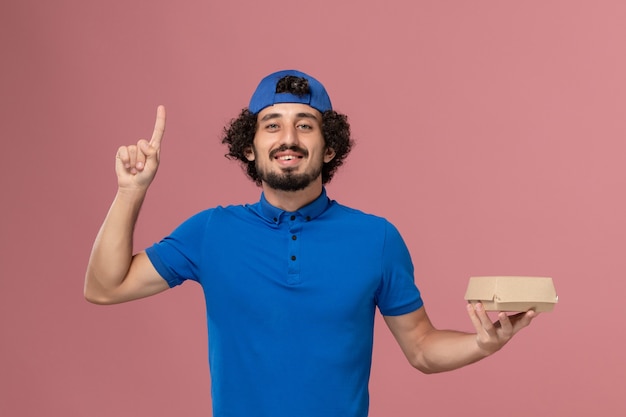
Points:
x=266, y=95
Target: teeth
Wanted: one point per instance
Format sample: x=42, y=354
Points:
x=287, y=158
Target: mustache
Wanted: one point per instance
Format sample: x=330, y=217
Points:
x=294, y=148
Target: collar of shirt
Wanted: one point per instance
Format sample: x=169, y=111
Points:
x=309, y=212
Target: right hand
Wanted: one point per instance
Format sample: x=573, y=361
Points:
x=136, y=165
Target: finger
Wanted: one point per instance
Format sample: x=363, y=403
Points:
x=159, y=128
x=514, y=318
x=132, y=158
x=485, y=320
x=506, y=327
x=477, y=321
x=123, y=157
x=522, y=320
x=143, y=150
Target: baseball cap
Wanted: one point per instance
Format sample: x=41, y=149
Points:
x=265, y=94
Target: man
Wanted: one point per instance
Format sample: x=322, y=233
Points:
x=292, y=282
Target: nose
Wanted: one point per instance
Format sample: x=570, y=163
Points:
x=290, y=136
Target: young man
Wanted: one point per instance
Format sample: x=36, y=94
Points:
x=292, y=282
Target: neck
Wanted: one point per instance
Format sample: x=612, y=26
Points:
x=292, y=200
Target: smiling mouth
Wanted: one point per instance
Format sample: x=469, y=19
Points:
x=288, y=153
x=288, y=157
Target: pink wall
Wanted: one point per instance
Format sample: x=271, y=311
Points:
x=492, y=133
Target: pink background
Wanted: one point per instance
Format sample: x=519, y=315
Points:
x=492, y=133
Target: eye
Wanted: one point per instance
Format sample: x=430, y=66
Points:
x=271, y=126
x=304, y=126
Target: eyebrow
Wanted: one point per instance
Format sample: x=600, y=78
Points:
x=270, y=116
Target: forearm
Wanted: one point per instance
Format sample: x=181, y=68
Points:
x=431, y=350
x=446, y=350
x=112, y=255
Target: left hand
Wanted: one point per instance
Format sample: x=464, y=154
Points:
x=491, y=337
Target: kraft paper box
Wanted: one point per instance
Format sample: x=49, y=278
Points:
x=512, y=293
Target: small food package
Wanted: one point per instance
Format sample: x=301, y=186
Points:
x=512, y=293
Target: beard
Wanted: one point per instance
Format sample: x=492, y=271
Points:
x=288, y=180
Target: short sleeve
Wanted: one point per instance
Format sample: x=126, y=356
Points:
x=397, y=293
x=177, y=257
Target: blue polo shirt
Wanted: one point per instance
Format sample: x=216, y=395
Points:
x=290, y=302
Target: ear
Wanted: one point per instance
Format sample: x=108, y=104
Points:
x=249, y=153
x=329, y=154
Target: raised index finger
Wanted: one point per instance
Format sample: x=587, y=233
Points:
x=159, y=128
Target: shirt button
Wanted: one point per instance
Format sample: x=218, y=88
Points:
x=293, y=217
x=275, y=220
x=308, y=218
x=293, y=258
x=294, y=237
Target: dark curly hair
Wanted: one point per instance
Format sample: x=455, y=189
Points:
x=239, y=133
